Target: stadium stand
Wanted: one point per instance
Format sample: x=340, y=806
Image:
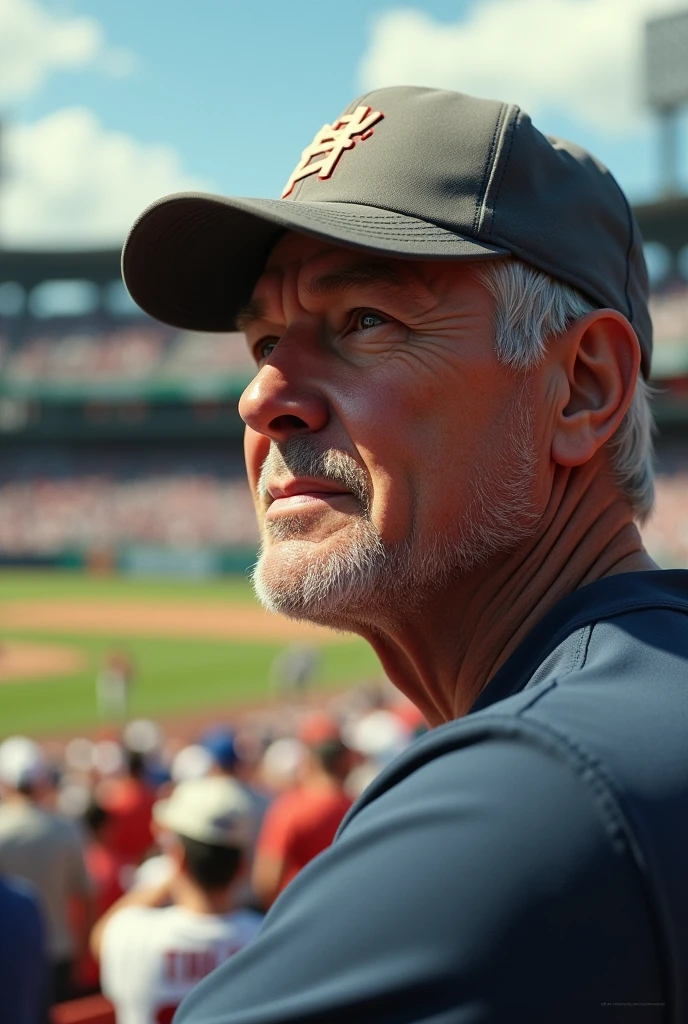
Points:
x=269, y=753
x=119, y=432
x=116, y=432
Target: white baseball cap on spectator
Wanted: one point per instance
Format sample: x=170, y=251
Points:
x=22, y=763
x=213, y=810
x=282, y=762
x=143, y=736
x=191, y=762
x=380, y=736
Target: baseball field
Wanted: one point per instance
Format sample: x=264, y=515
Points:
x=197, y=647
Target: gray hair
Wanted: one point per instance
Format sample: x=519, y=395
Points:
x=530, y=308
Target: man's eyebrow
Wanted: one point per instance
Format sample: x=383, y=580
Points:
x=367, y=272
x=363, y=273
x=248, y=314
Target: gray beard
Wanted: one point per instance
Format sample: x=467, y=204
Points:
x=370, y=584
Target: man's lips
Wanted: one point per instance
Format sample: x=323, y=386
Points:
x=293, y=494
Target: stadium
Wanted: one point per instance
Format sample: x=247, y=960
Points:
x=121, y=463
x=134, y=656
x=122, y=487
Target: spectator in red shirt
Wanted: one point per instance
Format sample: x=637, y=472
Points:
x=129, y=802
x=302, y=822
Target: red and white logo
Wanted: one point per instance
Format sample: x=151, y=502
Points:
x=324, y=152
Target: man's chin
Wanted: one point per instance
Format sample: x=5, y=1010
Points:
x=328, y=582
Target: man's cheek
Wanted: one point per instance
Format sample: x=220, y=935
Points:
x=256, y=448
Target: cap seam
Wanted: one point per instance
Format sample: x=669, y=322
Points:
x=631, y=232
x=486, y=170
x=505, y=162
x=482, y=226
x=488, y=173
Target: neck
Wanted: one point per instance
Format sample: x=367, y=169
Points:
x=444, y=653
x=186, y=893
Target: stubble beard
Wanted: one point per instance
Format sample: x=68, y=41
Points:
x=367, y=584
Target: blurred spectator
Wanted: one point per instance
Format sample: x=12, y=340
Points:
x=107, y=871
x=46, y=849
x=155, y=945
x=379, y=736
x=302, y=822
x=24, y=975
x=221, y=744
x=282, y=763
x=129, y=801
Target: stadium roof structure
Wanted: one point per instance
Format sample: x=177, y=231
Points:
x=30, y=268
x=664, y=220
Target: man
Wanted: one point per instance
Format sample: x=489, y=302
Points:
x=302, y=822
x=47, y=850
x=221, y=744
x=155, y=944
x=448, y=438
x=128, y=801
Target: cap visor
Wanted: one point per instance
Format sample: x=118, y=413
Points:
x=191, y=260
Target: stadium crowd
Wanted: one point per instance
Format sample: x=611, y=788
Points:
x=136, y=861
x=93, y=352
x=43, y=515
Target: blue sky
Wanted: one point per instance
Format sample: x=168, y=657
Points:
x=238, y=88
x=131, y=99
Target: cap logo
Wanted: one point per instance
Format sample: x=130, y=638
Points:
x=332, y=140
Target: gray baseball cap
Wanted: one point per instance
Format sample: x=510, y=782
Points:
x=410, y=173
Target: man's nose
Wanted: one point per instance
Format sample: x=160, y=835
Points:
x=279, y=406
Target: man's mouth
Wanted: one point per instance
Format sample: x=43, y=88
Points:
x=301, y=494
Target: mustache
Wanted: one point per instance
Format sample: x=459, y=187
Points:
x=300, y=456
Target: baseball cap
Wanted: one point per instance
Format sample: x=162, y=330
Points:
x=212, y=810
x=22, y=763
x=403, y=172
x=221, y=745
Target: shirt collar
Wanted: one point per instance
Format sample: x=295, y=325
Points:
x=603, y=599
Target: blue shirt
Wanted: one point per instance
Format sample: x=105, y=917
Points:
x=526, y=863
x=23, y=963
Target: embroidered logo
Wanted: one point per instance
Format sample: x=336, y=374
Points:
x=332, y=140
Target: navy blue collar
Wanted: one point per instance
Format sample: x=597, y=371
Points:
x=614, y=595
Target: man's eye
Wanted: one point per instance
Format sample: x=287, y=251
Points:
x=368, y=320
x=264, y=349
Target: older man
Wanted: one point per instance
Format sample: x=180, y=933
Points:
x=448, y=439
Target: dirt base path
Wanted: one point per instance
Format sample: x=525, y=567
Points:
x=220, y=622
x=22, y=661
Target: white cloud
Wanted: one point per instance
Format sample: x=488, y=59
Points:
x=71, y=182
x=34, y=42
x=580, y=57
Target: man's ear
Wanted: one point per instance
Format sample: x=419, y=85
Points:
x=598, y=359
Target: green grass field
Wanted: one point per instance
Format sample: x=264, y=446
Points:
x=174, y=676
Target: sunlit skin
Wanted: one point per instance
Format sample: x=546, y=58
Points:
x=393, y=362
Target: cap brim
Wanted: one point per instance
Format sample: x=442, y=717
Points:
x=191, y=260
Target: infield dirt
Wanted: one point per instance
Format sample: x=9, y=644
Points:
x=19, y=661
x=160, y=620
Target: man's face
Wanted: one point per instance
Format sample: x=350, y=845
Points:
x=386, y=447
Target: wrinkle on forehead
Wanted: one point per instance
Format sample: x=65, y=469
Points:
x=306, y=269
